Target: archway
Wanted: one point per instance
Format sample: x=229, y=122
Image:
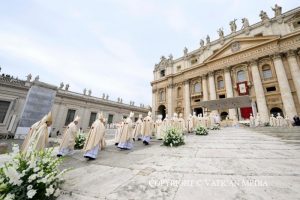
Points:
x=162, y=111
x=198, y=111
x=224, y=115
x=275, y=111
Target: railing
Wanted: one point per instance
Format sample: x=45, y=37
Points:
x=11, y=80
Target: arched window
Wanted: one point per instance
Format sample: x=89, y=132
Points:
x=197, y=88
x=220, y=82
x=267, y=72
x=179, y=92
x=241, y=76
x=161, y=96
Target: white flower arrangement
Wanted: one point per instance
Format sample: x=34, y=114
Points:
x=201, y=130
x=173, y=137
x=31, y=176
x=79, y=140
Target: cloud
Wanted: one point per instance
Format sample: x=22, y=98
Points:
x=115, y=69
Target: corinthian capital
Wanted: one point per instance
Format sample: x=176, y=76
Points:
x=170, y=85
x=227, y=69
x=291, y=53
x=253, y=62
x=276, y=56
x=211, y=73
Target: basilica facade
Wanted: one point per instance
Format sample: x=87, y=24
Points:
x=259, y=62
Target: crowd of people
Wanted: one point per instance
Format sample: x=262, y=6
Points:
x=128, y=132
x=274, y=121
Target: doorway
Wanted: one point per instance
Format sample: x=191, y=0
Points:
x=275, y=111
x=198, y=111
x=224, y=115
x=162, y=111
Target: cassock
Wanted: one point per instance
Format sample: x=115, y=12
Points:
x=68, y=140
x=147, y=128
x=126, y=141
x=181, y=124
x=39, y=137
x=32, y=129
x=137, y=131
x=118, y=133
x=159, y=126
x=96, y=139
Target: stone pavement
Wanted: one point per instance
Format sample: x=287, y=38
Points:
x=233, y=163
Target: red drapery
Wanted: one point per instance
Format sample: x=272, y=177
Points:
x=245, y=112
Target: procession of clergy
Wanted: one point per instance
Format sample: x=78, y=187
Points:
x=127, y=132
x=277, y=121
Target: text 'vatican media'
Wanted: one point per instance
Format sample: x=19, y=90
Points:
x=207, y=183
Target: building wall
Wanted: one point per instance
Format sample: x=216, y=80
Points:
x=15, y=92
x=264, y=43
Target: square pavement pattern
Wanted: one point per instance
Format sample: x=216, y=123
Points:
x=232, y=163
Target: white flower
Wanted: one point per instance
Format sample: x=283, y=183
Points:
x=36, y=169
x=32, y=178
x=9, y=197
x=49, y=191
x=32, y=164
x=57, y=192
x=43, y=180
x=31, y=193
x=40, y=174
x=13, y=175
x=29, y=187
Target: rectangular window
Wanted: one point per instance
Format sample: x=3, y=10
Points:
x=178, y=68
x=162, y=73
x=258, y=35
x=70, y=116
x=267, y=74
x=271, y=89
x=124, y=117
x=4, y=105
x=110, y=118
x=222, y=96
x=197, y=100
x=92, y=118
x=220, y=84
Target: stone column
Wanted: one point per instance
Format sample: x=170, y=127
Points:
x=212, y=89
x=187, y=103
x=212, y=86
x=285, y=90
x=229, y=91
x=295, y=71
x=170, y=100
x=154, y=104
x=204, y=88
x=259, y=92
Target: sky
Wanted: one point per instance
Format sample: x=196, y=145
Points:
x=111, y=46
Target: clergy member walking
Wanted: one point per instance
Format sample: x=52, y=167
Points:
x=68, y=140
x=137, y=131
x=32, y=129
x=96, y=139
x=39, y=138
x=159, y=126
x=126, y=141
x=147, y=128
